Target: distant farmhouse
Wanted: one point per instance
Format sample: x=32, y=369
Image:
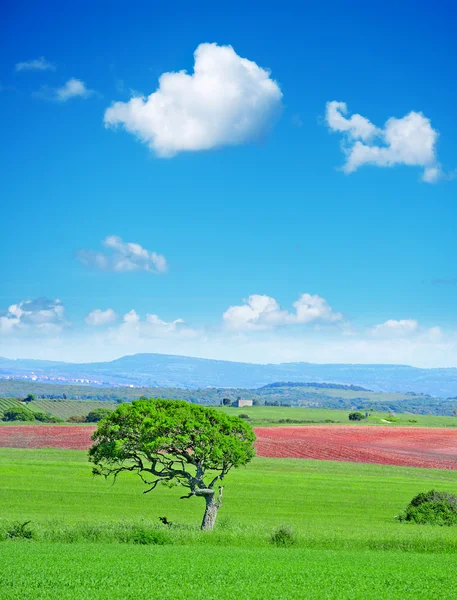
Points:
x=240, y=403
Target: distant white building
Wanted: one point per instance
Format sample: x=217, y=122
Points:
x=240, y=403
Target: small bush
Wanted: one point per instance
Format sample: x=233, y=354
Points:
x=76, y=419
x=283, y=537
x=97, y=415
x=244, y=416
x=392, y=419
x=149, y=536
x=19, y=531
x=433, y=508
x=47, y=418
x=356, y=416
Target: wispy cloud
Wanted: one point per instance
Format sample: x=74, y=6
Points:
x=410, y=141
x=228, y=100
x=123, y=256
x=99, y=317
x=73, y=88
x=38, y=64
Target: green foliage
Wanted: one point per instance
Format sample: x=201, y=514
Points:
x=18, y=413
x=152, y=427
x=173, y=441
x=47, y=418
x=356, y=416
x=97, y=415
x=145, y=536
x=244, y=416
x=30, y=398
x=76, y=419
x=432, y=508
x=226, y=402
x=283, y=536
x=19, y=531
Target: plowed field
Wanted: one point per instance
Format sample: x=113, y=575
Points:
x=403, y=446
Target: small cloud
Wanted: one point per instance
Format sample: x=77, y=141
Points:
x=264, y=312
x=394, y=328
x=227, y=100
x=39, y=64
x=123, y=256
x=99, y=317
x=73, y=88
x=41, y=316
x=410, y=141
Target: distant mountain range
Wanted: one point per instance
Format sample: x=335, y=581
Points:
x=160, y=370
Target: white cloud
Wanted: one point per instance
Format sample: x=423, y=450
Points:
x=123, y=256
x=100, y=317
x=39, y=64
x=264, y=312
x=133, y=327
x=73, y=88
x=41, y=316
x=410, y=141
x=394, y=328
x=228, y=100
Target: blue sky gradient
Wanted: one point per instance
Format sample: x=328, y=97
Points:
x=275, y=216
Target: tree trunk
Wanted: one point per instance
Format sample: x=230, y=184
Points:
x=209, y=518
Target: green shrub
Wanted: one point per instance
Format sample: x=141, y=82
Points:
x=283, y=536
x=47, y=418
x=30, y=398
x=244, y=416
x=18, y=413
x=19, y=531
x=76, y=419
x=433, y=508
x=149, y=536
x=97, y=415
x=356, y=416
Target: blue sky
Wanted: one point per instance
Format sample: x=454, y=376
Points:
x=240, y=186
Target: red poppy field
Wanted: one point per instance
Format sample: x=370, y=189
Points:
x=403, y=446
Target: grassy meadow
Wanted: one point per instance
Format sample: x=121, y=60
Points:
x=258, y=415
x=348, y=543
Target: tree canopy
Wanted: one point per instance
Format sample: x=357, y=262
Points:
x=173, y=441
x=18, y=413
x=97, y=415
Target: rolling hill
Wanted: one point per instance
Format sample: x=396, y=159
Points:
x=160, y=370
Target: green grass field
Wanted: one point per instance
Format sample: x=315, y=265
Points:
x=272, y=415
x=349, y=544
x=259, y=415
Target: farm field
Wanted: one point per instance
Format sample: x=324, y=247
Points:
x=349, y=544
x=276, y=415
x=417, y=447
x=258, y=415
x=181, y=573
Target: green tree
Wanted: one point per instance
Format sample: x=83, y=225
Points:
x=356, y=416
x=29, y=398
x=97, y=415
x=173, y=442
x=18, y=413
x=226, y=401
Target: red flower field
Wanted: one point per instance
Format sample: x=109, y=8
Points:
x=403, y=446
